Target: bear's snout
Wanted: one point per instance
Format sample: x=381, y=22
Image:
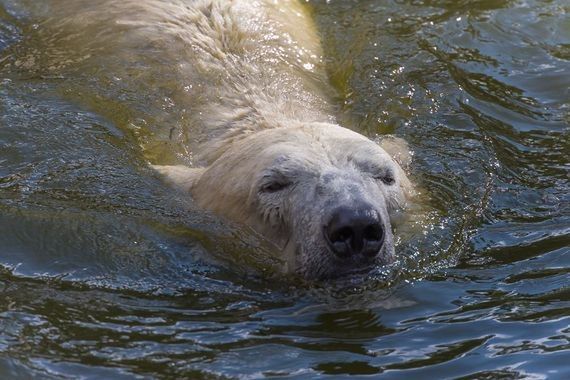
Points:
x=356, y=230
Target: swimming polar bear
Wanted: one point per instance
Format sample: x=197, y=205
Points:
x=275, y=160
x=267, y=151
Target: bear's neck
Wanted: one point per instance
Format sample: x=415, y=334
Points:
x=260, y=68
x=261, y=104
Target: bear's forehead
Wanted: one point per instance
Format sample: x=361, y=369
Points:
x=320, y=139
x=313, y=157
x=332, y=144
x=310, y=148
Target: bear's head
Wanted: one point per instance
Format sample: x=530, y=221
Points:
x=327, y=195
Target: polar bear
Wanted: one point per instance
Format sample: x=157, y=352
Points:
x=273, y=157
x=266, y=149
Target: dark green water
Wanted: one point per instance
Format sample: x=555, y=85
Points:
x=104, y=270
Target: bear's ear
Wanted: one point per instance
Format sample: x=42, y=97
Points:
x=398, y=149
x=179, y=176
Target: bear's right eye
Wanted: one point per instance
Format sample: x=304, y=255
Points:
x=273, y=187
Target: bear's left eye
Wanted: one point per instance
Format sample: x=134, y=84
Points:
x=386, y=177
x=378, y=172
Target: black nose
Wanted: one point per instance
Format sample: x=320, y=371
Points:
x=351, y=231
